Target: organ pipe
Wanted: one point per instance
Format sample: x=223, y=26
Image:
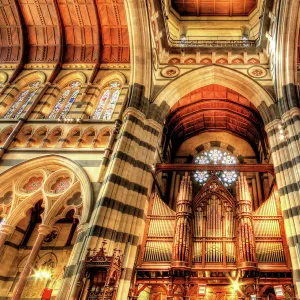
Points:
x=182, y=239
x=245, y=234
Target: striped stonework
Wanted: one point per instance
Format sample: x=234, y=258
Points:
x=285, y=154
x=119, y=214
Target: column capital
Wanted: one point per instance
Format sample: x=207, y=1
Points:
x=44, y=229
x=273, y=124
x=7, y=229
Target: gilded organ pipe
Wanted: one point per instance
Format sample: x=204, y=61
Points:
x=245, y=234
x=182, y=239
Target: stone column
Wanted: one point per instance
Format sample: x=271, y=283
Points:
x=245, y=235
x=285, y=149
x=74, y=260
x=182, y=238
x=5, y=231
x=43, y=231
x=119, y=213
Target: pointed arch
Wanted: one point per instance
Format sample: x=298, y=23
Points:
x=28, y=78
x=66, y=79
x=52, y=162
x=214, y=74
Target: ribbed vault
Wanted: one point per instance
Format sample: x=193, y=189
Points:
x=214, y=108
x=87, y=31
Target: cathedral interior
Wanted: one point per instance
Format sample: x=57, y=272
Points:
x=149, y=149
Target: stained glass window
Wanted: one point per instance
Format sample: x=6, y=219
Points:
x=2, y=222
x=108, y=101
x=101, y=104
x=66, y=101
x=216, y=156
x=22, y=101
x=111, y=106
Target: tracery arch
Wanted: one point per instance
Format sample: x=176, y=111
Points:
x=57, y=183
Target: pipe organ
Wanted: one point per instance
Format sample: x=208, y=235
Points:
x=214, y=239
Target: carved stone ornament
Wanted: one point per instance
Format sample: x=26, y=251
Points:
x=170, y=72
x=257, y=72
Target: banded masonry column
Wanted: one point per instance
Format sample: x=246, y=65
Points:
x=183, y=235
x=245, y=235
x=43, y=231
x=5, y=231
x=119, y=213
x=285, y=149
x=77, y=250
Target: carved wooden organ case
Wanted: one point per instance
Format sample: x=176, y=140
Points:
x=214, y=238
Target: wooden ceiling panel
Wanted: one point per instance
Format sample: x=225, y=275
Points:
x=214, y=7
x=64, y=31
x=215, y=108
x=43, y=30
x=81, y=30
x=114, y=29
x=11, y=36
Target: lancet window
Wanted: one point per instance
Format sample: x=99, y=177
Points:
x=22, y=101
x=108, y=100
x=216, y=156
x=65, y=101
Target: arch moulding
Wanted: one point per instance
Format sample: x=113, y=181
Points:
x=214, y=74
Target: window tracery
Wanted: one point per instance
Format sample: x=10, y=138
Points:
x=108, y=101
x=216, y=156
x=22, y=101
x=65, y=101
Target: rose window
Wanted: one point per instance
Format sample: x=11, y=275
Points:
x=216, y=156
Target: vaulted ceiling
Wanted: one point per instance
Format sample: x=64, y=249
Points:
x=214, y=108
x=87, y=31
x=214, y=7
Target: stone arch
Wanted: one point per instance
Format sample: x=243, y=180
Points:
x=23, y=136
x=140, y=44
x=59, y=206
x=286, y=58
x=72, y=138
x=4, y=134
x=216, y=74
x=3, y=77
x=224, y=146
x=88, y=137
x=53, y=137
x=66, y=79
x=113, y=75
x=103, y=138
x=26, y=79
x=38, y=137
